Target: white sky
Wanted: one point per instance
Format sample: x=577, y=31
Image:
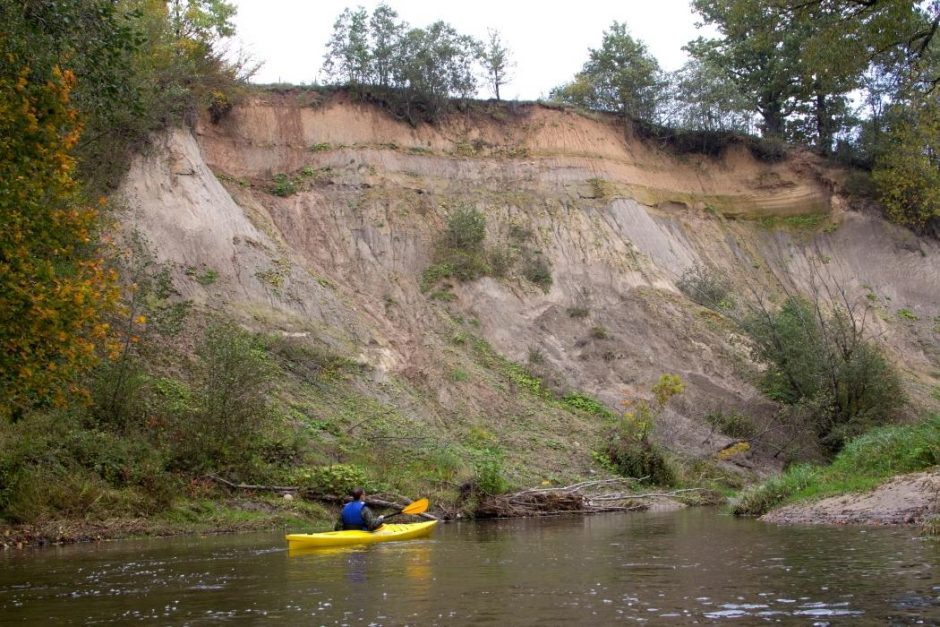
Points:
x=549, y=40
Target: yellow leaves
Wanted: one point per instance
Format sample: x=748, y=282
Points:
x=54, y=287
x=668, y=386
x=141, y=320
x=735, y=449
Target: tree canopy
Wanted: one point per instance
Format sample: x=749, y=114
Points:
x=83, y=83
x=621, y=76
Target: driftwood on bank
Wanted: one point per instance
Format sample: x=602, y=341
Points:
x=312, y=495
x=584, y=497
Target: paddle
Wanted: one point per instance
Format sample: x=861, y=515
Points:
x=415, y=507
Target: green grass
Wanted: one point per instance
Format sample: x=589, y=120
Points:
x=584, y=402
x=806, y=221
x=863, y=464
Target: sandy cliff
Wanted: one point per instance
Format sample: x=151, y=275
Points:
x=341, y=257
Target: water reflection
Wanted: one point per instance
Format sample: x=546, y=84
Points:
x=683, y=567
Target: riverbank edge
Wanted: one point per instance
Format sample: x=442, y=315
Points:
x=911, y=499
x=191, y=517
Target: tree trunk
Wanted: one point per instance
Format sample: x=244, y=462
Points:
x=823, y=124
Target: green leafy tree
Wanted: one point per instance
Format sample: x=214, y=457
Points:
x=386, y=33
x=620, y=76
x=435, y=64
x=907, y=173
x=703, y=98
x=756, y=51
x=497, y=62
x=348, y=54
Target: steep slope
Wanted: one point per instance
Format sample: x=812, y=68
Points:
x=337, y=253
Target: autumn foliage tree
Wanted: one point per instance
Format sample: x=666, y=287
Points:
x=54, y=286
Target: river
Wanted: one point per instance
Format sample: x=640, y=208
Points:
x=688, y=567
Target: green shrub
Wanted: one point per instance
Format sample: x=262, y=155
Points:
x=464, y=265
x=466, y=229
x=336, y=479
x=822, y=367
x=536, y=269
x=627, y=444
x=459, y=253
x=585, y=403
x=706, y=287
x=931, y=526
x=600, y=333
x=578, y=312
x=732, y=424
x=489, y=475
x=283, y=185
x=499, y=260
x=229, y=415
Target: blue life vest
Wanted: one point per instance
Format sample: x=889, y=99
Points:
x=352, y=515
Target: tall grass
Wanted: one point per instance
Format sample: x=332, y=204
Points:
x=864, y=463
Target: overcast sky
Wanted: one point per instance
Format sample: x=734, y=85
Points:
x=549, y=44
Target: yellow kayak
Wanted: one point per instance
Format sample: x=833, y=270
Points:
x=385, y=533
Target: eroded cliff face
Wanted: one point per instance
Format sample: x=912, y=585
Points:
x=340, y=255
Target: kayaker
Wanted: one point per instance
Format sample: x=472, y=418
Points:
x=357, y=515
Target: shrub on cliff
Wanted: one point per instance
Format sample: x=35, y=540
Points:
x=627, y=445
x=823, y=367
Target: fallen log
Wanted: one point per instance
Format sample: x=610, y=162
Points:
x=584, y=497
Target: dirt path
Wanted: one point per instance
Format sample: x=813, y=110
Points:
x=905, y=500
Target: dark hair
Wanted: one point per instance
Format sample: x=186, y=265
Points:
x=356, y=493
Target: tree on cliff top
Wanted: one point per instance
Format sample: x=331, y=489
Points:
x=497, y=62
x=620, y=76
x=415, y=70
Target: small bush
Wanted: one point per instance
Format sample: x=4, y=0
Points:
x=767, y=149
x=460, y=253
x=706, y=287
x=600, y=333
x=931, y=526
x=229, y=415
x=464, y=265
x=823, y=367
x=537, y=269
x=283, y=185
x=499, y=260
x=466, y=229
x=732, y=424
x=337, y=479
x=536, y=357
x=578, y=312
x=489, y=474
x=627, y=444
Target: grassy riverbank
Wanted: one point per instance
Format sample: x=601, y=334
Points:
x=865, y=463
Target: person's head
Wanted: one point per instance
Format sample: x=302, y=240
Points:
x=357, y=494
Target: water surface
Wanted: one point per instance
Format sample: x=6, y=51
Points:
x=687, y=567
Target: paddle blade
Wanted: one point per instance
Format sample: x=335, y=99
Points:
x=417, y=507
